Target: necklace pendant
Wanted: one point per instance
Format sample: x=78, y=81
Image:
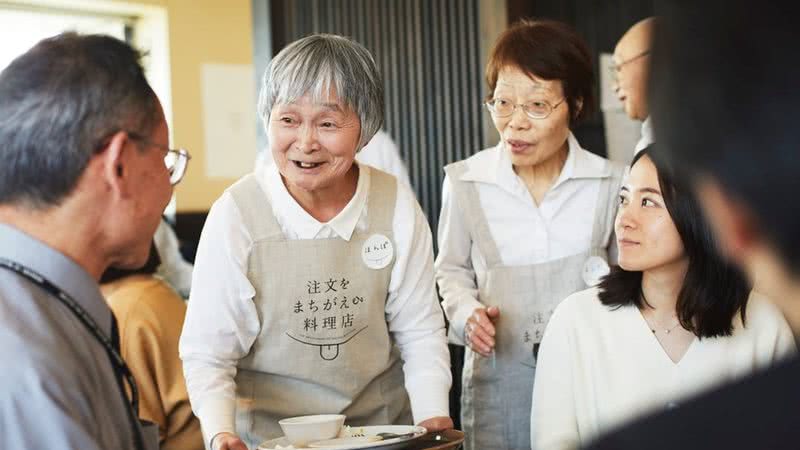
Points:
x=668, y=331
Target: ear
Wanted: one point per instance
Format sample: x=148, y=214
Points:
x=578, y=108
x=115, y=163
x=735, y=226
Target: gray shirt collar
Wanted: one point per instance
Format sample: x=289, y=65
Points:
x=58, y=269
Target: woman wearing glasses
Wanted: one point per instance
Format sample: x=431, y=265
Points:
x=313, y=289
x=672, y=319
x=523, y=225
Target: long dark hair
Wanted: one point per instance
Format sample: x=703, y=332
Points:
x=713, y=291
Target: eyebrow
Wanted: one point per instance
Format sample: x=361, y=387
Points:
x=332, y=106
x=644, y=190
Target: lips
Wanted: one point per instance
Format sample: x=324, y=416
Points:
x=306, y=165
x=625, y=242
x=517, y=146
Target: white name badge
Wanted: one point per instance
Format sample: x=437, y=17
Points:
x=377, y=251
x=594, y=269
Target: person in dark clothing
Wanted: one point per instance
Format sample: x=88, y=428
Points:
x=725, y=93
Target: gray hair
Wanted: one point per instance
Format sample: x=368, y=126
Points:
x=60, y=102
x=319, y=63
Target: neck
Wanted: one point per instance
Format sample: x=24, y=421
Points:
x=542, y=176
x=661, y=287
x=64, y=228
x=325, y=204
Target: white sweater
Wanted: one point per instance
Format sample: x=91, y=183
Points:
x=599, y=367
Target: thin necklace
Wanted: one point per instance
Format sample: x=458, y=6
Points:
x=650, y=325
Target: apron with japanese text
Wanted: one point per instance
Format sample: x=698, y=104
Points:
x=496, y=390
x=324, y=344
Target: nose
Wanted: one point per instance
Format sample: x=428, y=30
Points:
x=626, y=218
x=307, y=141
x=519, y=119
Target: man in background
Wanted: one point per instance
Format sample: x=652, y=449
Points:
x=632, y=69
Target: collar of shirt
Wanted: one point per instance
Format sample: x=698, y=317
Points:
x=57, y=269
x=647, y=137
x=291, y=216
x=495, y=167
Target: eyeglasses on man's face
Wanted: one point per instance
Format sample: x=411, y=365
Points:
x=176, y=159
x=615, y=68
x=540, y=109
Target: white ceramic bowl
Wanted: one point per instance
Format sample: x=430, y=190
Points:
x=304, y=429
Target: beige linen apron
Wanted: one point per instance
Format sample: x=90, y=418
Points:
x=324, y=344
x=496, y=390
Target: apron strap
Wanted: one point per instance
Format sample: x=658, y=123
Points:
x=382, y=199
x=468, y=199
x=259, y=221
x=606, y=207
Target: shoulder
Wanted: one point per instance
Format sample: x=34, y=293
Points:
x=478, y=160
x=761, y=316
x=582, y=307
x=146, y=299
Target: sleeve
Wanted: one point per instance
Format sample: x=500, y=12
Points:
x=413, y=313
x=553, y=416
x=454, y=271
x=40, y=409
x=151, y=330
x=221, y=321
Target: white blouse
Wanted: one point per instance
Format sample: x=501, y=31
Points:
x=525, y=233
x=599, y=367
x=222, y=324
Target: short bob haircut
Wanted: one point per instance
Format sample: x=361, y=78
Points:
x=320, y=65
x=59, y=102
x=552, y=51
x=713, y=291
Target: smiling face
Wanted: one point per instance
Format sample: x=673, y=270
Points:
x=646, y=234
x=529, y=141
x=314, y=144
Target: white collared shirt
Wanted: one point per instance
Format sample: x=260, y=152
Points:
x=525, y=233
x=222, y=324
x=646, y=137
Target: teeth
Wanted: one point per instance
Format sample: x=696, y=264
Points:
x=307, y=165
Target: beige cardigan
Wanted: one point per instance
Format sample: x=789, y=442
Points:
x=150, y=317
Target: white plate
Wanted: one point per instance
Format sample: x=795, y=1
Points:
x=389, y=444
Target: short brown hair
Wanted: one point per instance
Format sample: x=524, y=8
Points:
x=550, y=50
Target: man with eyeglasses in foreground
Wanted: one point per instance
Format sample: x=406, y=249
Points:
x=83, y=183
x=631, y=70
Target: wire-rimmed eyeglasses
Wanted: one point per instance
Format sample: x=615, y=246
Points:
x=176, y=159
x=500, y=107
x=616, y=67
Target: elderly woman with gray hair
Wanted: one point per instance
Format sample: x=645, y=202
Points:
x=313, y=288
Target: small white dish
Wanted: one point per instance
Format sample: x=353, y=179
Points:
x=300, y=431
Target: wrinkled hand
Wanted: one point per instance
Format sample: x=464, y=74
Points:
x=437, y=423
x=227, y=441
x=479, y=331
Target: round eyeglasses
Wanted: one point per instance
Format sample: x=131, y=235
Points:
x=500, y=107
x=176, y=159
